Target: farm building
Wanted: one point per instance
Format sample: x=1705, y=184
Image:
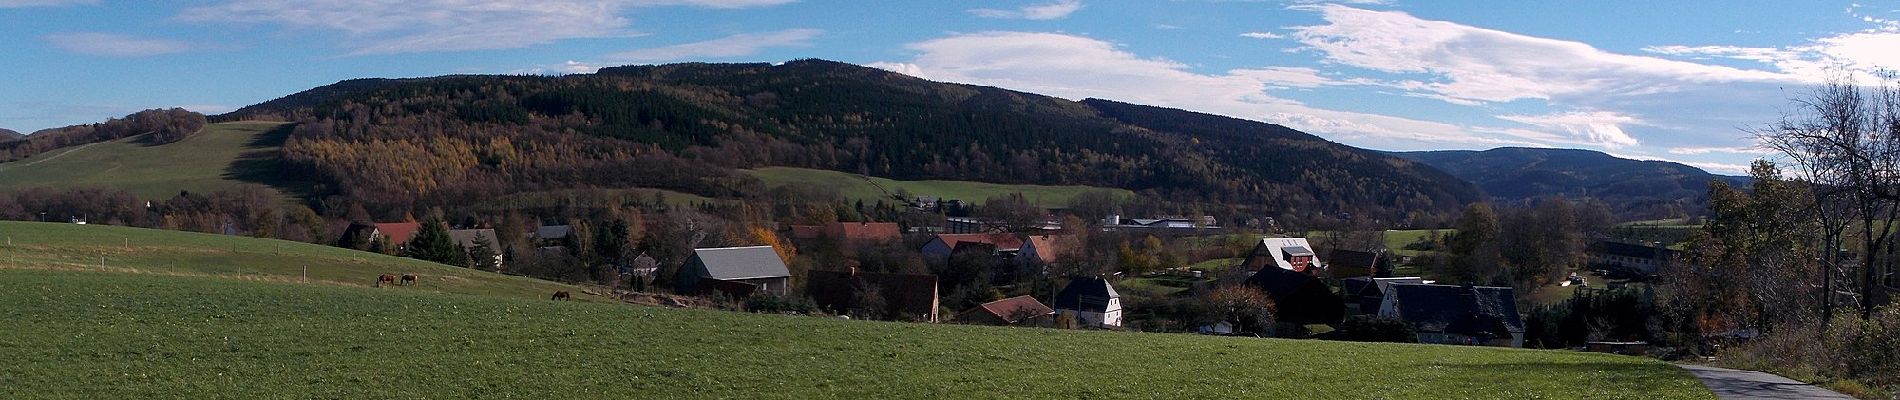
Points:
x=1363, y=294
x=1447, y=314
x=727, y=269
x=1343, y=263
x=1015, y=311
x=901, y=297
x=1088, y=303
x=943, y=245
x=1292, y=254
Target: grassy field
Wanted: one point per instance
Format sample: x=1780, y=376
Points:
x=858, y=187
x=219, y=157
x=86, y=334
x=67, y=247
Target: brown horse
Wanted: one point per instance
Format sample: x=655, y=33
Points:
x=408, y=279
x=391, y=279
x=561, y=295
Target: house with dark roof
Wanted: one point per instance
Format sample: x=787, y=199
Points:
x=1448, y=314
x=1169, y=224
x=467, y=238
x=1629, y=258
x=1292, y=254
x=552, y=235
x=1363, y=294
x=716, y=270
x=901, y=297
x=1088, y=303
x=943, y=245
x=1343, y=263
x=1298, y=298
x=1015, y=311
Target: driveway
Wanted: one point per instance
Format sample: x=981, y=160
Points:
x=1730, y=384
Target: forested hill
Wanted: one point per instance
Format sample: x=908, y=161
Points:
x=9, y=134
x=1635, y=189
x=410, y=143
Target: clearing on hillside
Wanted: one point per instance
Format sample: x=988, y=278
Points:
x=82, y=334
x=68, y=247
x=871, y=189
x=221, y=156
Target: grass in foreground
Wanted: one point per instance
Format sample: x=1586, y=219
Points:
x=51, y=246
x=77, y=334
x=222, y=156
x=858, y=187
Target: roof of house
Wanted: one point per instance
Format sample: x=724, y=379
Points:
x=1468, y=310
x=728, y=263
x=398, y=232
x=909, y=295
x=1013, y=309
x=1086, y=294
x=863, y=231
x=1355, y=285
x=1045, y=247
x=553, y=232
x=1003, y=242
x=1279, y=248
x=1353, y=258
x=467, y=237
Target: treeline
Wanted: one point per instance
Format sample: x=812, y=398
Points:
x=405, y=146
x=164, y=126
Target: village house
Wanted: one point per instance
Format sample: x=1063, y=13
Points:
x=1015, y=311
x=942, y=246
x=1448, y=314
x=398, y=233
x=552, y=235
x=1038, y=249
x=1344, y=263
x=1164, y=224
x=901, y=297
x=1363, y=294
x=1088, y=303
x=849, y=232
x=1629, y=258
x=468, y=238
x=734, y=271
x=1292, y=254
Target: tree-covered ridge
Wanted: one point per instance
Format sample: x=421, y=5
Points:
x=415, y=143
x=163, y=126
x=1635, y=189
x=9, y=134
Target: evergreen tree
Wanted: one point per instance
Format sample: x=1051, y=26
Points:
x=482, y=255
x=432, y=243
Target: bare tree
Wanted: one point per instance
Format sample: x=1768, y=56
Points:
x=1845, y=140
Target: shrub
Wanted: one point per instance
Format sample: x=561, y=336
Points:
x=1372, y=328
x=775, y=304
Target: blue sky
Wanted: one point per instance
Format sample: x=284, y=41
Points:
x=1671, y=80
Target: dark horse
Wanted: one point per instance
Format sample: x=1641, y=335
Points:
x=391, y=279
x=408, y=279
x=561, y=295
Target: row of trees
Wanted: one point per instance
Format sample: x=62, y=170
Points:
x=162, y=125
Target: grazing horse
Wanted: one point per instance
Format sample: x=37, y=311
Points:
x=561, y=295
x=408, y=279
x=391, y=279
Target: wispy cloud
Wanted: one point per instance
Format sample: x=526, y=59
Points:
x=114, y=45
x=565, y=68
x=1601, y=128
x=1047, y=11
x=388, y=27
x=45, y=3
x=1262, y=35
x=743, y=44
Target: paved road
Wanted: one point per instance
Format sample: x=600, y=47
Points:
x=1729, y=384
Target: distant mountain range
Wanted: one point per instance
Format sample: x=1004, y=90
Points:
x=1635, y=189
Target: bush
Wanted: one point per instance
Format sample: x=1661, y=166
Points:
x=1855, y=353
x=1372, y=328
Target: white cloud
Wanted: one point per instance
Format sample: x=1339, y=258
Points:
x=1718, y=149
x=1054, y=10
x=114, y=45
x=566, y=68
x=1469, y=64
x=1078, y=67
x=388, y=27
x=1167, y=27
x=743, y=44
x=45, y=3
x=1262, y=35
x=1601, y=128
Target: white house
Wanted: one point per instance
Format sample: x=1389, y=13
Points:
x=1088, y=303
